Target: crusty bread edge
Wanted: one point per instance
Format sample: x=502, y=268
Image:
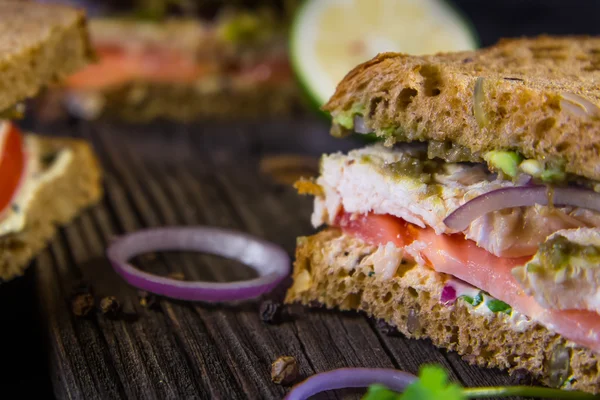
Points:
x=401, y=301
x=63, y=52
x=524, y=112
x=57, y=203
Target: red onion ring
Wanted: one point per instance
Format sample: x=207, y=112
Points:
x=351, y=378
x=522, y=196
x=270, y=261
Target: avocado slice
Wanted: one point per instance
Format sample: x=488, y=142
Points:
x=505, y=161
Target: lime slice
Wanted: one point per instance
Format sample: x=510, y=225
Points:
x=330, y=37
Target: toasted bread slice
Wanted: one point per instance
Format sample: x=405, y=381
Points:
x=538, y=96
x=57, y=202
x=411, y=301
x=39, y=44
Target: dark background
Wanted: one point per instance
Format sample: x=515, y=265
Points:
x=512, y=18
x=23, y=364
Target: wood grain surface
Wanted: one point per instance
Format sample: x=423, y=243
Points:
x=200, y=175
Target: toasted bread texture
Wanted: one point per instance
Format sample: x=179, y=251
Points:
x=333, y=269
x=39, y=44
x=57, y=202
x=538, y=96
x=146, y=101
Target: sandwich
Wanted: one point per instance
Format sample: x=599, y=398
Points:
x=475, y=220
x=184, y=69
x=44, y=181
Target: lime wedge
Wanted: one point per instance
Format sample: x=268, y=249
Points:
x=330, y=37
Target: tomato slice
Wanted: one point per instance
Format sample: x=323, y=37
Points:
x=375, y=228
x=117, y=66
x=461, y=258
x=12, y=162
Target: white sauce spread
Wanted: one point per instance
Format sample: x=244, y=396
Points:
x=518, y=321
x=14, y=217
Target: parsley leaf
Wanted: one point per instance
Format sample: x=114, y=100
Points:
x=474, y=301
x=499, y=306
x=432, y=384
x=380, y=392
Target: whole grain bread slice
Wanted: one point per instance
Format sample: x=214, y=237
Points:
x=58, y=201
x=333, y=269
x=39, y=44
x=538, y=96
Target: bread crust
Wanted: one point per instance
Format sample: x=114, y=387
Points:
x=525, y=80
x=57, y=202
x=410, y=301
x=39, y=44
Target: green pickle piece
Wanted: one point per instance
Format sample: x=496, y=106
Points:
x=553, y=175
x=474, y=301
x=498, y=306
x=548, y=174
x=563, y=274
x=505, y=161
x=556, y=253
x=345, y=119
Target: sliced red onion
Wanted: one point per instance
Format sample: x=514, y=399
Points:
x=359, y=125
x=270, y=261
x=522, y=196
x=351, y=378
x=448, y=295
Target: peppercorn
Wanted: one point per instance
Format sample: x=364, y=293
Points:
x=82, y=304
x=271, y=312
x=147, y=300
x=110, y=306
x=284, y=370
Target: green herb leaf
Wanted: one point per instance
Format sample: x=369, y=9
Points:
x=380, y=392
x=474, y=301
x=432, y=384
x=499, y=306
